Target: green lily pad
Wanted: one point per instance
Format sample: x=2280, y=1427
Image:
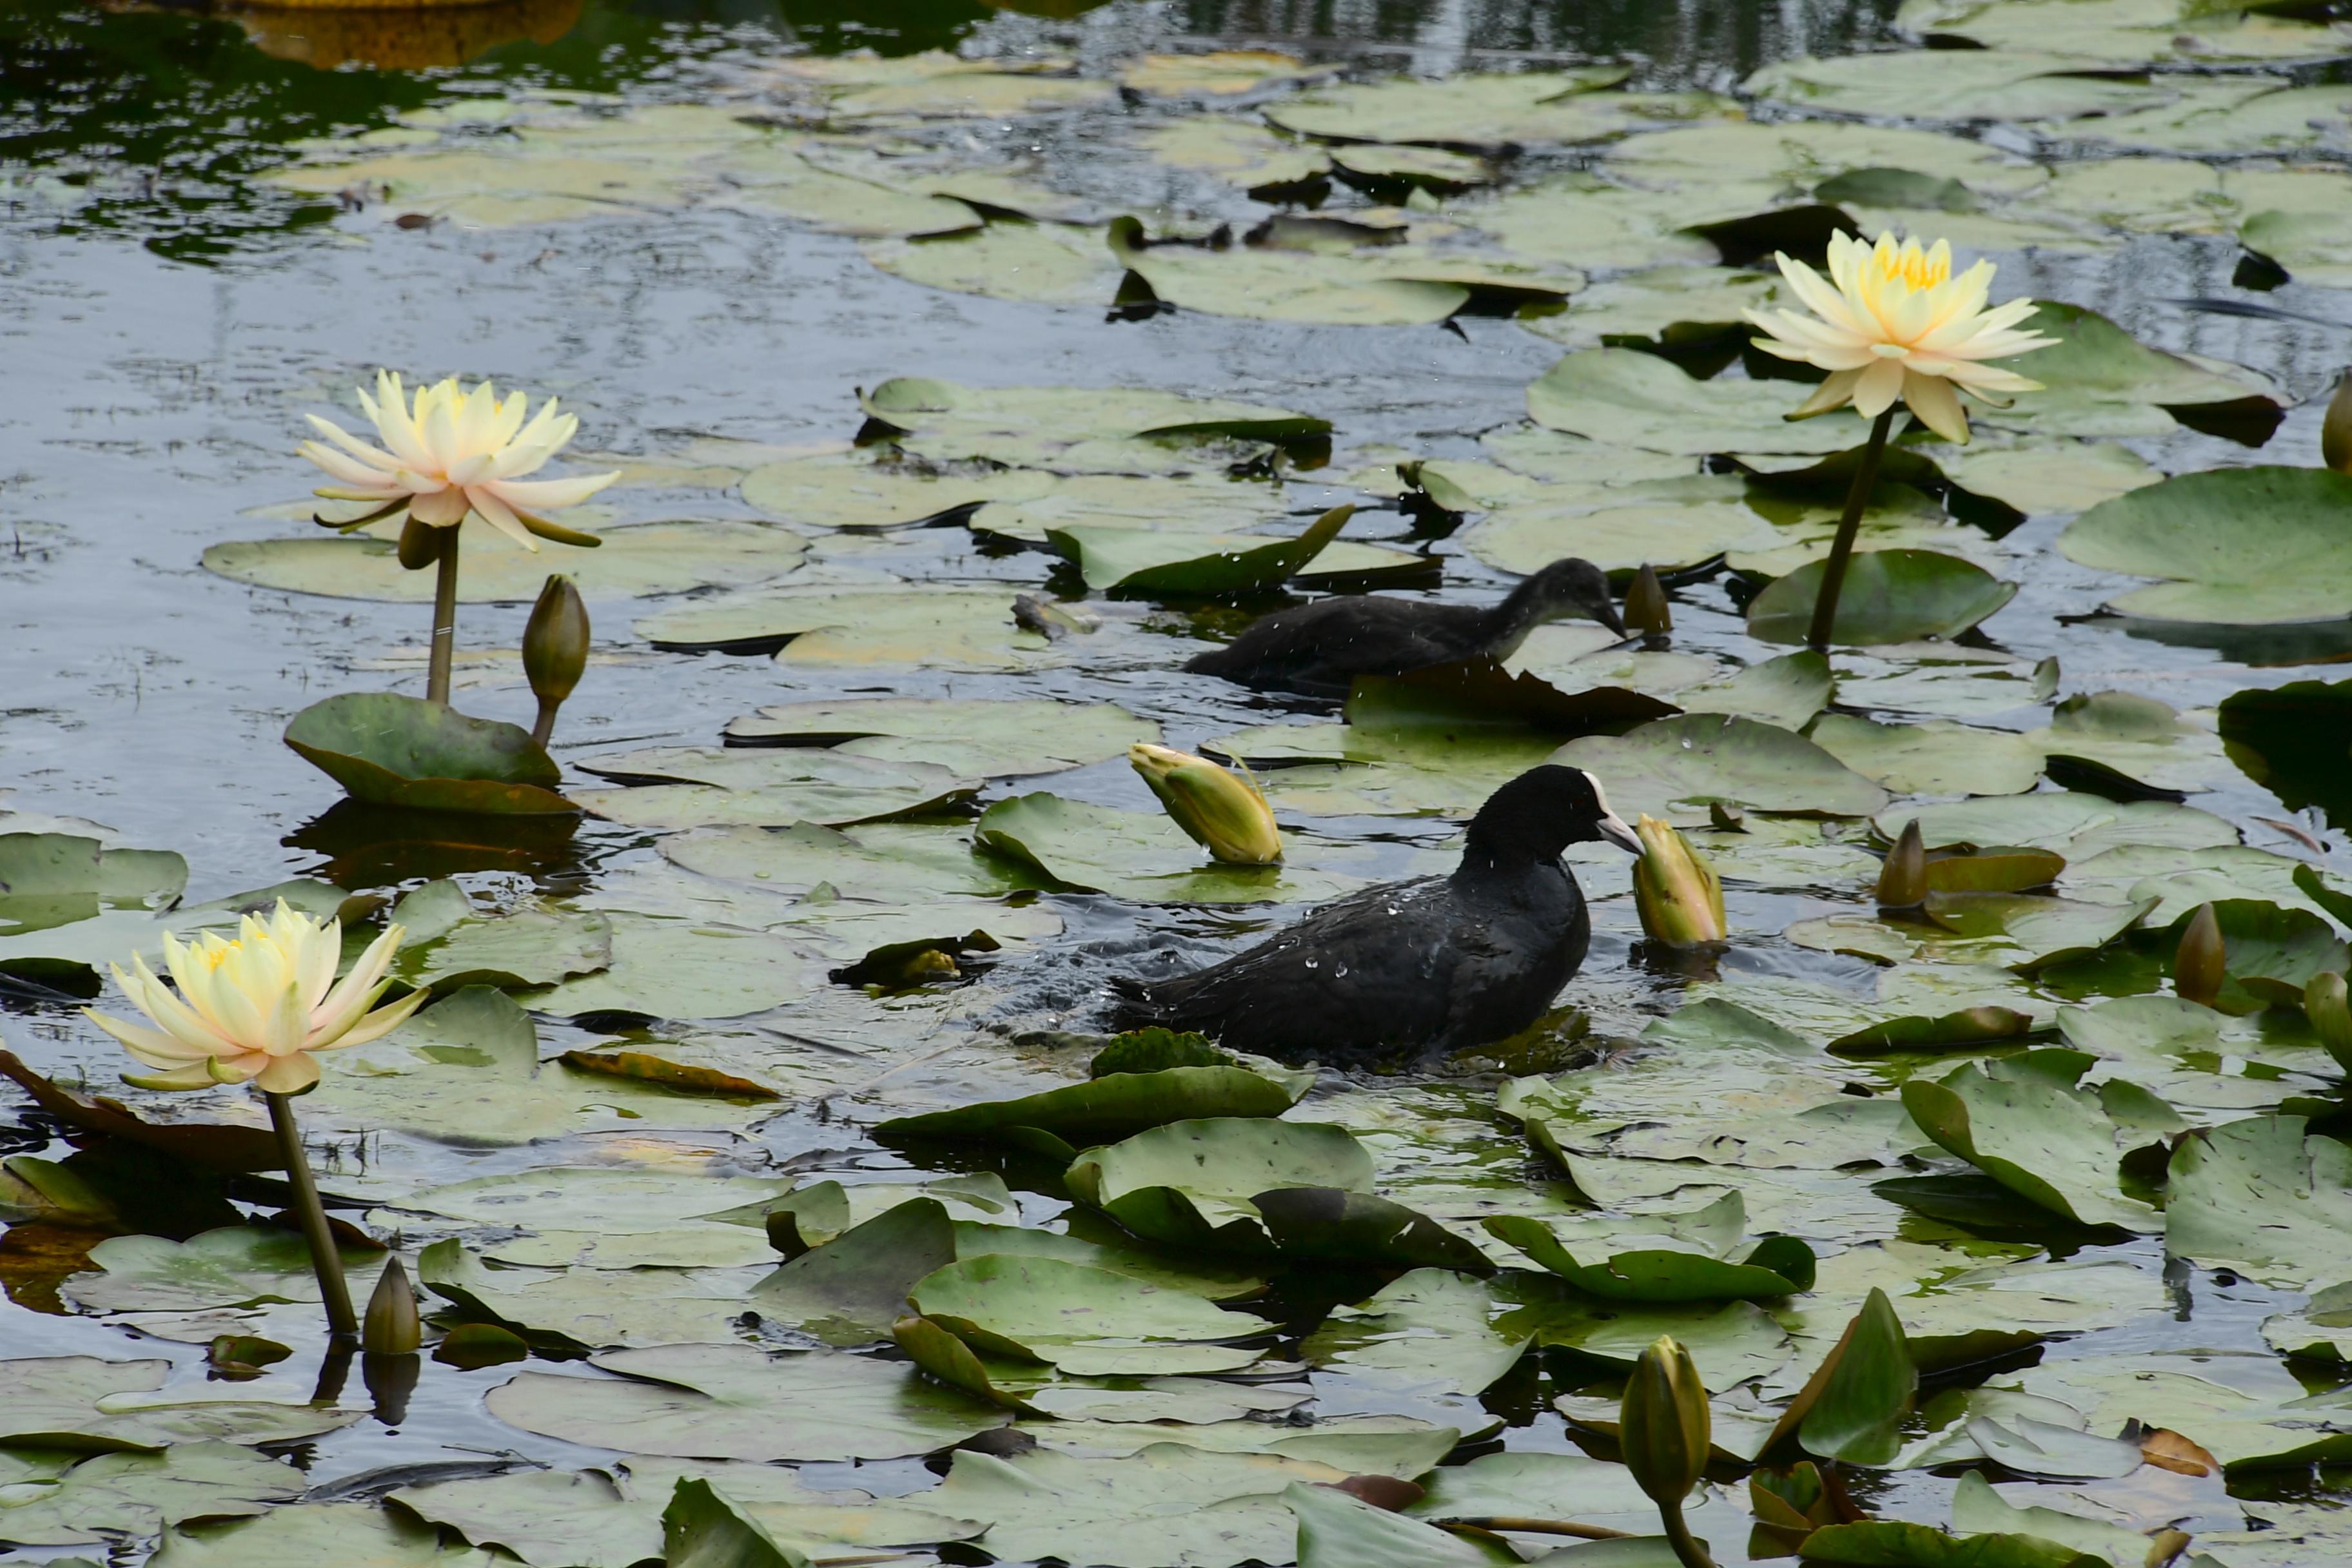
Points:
x=2024, y=1121
x=1142, y=856
x=2269, y=954
x=634, y=560
x=1624, y=397
x=719, y=1402
x=390, y=749
x=1337, y=1531
x=531, y=945
x=1333, y=1225
x=2241, y=546
x=907, y=624
x=2260, y=1197
x=126, y=1494
x=1043, y=263
x=859, y=491
x=1429, y=1332
x=352, y=1532
x=850, y=1289
x=2099, y=380
x=1336, y=289
x=1948, y=85
x=680, y=969
x=677, y=787
x=1189, y=1183
x=1786, y=691
x=880, y=860
x=1619, y=527
x=236, y=1265
x=1707, y=757
x=1470, y=110
x=705, y=1527
x=1889, y=596
x=1110, y=1108
x=1142, y=561
x=1659, y=1275
x=1879, y=1541
x=1080, y=430
x=979, y=738
x=2077, y=826
x=55, y=879
x=1084, y=1320
x=86, y=1404
x=1935, y=758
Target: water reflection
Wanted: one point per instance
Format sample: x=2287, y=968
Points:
x=404, y=40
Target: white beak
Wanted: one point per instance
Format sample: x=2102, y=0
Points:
x=1613, y=829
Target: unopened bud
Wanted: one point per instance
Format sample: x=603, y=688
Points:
x=1903, y=880
x=2335, y=428
x=420, y=543
x=1676, y=892
x=2200, y=964
x=1663, y=1427
x=1646, y=609
x=391, y=1326
x=555, y=641
x=1225, y=811
x=2325, y=1002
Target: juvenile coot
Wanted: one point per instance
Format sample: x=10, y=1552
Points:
x=1431, y=965
x=1318, y=650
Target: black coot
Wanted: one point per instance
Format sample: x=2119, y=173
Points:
x=1318, y=650
x=1432, y=965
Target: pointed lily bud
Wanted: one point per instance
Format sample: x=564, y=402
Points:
x=1646, y=609
x=1662, y=1425
x=554, y=650
x=1903, y=880
x=391, y=1326
x=2200, y=964
x=1225, y=811
x=2335, y=428
x=2325, y=1001
x=1677, y=893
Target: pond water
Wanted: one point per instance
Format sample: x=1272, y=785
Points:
x=711, y=230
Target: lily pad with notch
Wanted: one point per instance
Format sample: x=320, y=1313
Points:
x=2025, y=1122
x=1109, y=1109
x=2249, y=546
x=1702, y=757
x=1190, y=1183
x=1889, y=596
x=1774, y=1268
x=390, y=749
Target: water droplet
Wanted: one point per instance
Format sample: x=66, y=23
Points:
x=1314, y=964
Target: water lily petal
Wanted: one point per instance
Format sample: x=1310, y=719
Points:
x=549, y=495
x=1937, y=405
x=1876, y=388
x=287, y=1075
x=501, y=516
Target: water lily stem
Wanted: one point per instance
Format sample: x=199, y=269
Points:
x=444, y=618
x=1857, y=500
x=326, y=1261
x=1678, y=1531
x=545, y=724
x=1497, y=1523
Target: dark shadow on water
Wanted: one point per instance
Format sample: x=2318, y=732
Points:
x=373, y=847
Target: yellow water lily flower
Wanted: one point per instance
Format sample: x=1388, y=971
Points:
x=1226, y=812
x=255, y=1009
x=455, y=452
x=1891, y=324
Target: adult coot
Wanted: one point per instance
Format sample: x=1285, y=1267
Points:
x=1431, y=965
x=1318, y=650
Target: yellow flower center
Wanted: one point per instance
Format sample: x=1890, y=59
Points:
x=1913, y=268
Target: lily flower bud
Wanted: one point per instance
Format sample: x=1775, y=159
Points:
x=2200, y=964
x=1646, y=609
x=1225, y=811
x=420, y=546
x=2335, y=428
x=2326, y=1001
x=1662, y=1425
x=554, y=650
x=1677, y=893
x=391, y=1326
x=1903, y=880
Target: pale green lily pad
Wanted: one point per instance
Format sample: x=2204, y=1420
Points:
x=1374, y=288
x=2259, y=1196
x=904, y=624
x=1948, y=85
x=1042, y=263
x=1801, y=154
x=676, y=787
x=719, y=1402
x=857, y=491
x=2099, y=380
x=1166, y=1506
x=636, y=560
x=2295, y=219
x=2286, y=557
x=2077, y=826
x=1430, y=1331
x=1084, y=1320
x=1175, y=565
x=1933, y=758
x=1236, y=151
x=1580, y=220
x=674, y=969
x=236, y=1265
x=1188, y=1183
x=1113, y=1107
x=1665, y=306
x=54, y=879
x=361, y=1535
x=1338, y=1531
x=1187, y=506
x=1661, y=523
x=1707, y=757
x=1472, y=110
x=2126, y=33
x=135, y=1494
x=533, y=944
x=1144, y=856
x=1624, y=397
x=1080, y=430
x=1786, y=691
x=1890, y=595
x=84, y=1404
x=2023, y=1121
x=612, y=1200
x=974, y=737
x=874, y=861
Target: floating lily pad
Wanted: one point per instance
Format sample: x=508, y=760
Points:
x=1471, y=111
x=907, y=624
x=1084, y=1320
x=2024, y=1121
x=1431, y=1330
x=1109, y=1109
x=390, y=749
x=1948, y=85
x=880, y=860
x=238, y=1266
x=2241, y=546
x=1933, y=758
x=1338, y=1531
x=1142, y=561
x=1074, y=429
x=127, y=1494
x=675, y=787
x=88, y=1405
x=1659, y=1274
x=1624, y=397
x=976, y=737
x=2099, y=380
x=1889, y=596
x=1140, y=855
x=1043, y=263
x=636, y=560
x=856, y=491
x=677, y=969
x=354, y=1532
x=1188, y=1183
x=2260, y=1197
x=1704, y=757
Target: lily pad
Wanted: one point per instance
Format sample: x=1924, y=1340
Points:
x=1772, y=1272
x=2261, y=1196
x=1338, y=1531
x=2241, y=546
x=1110, y=1108
x=948, y=628
x=1142, y=561
x=236, y=1265
x=1073, y=429
x=2099, y=380
x=1140, y=854
x=350, y=1532
x=86, y=1404
x=1043, y=263
x=1889, y=596
x=974, y=737
x=1704, y=757
x=1625, y=397
x=1430, y=1331
x=634, y=560
x=1471, y=111
x=1948, y=85
x=1084, y=1320
x=54, y=879
x=1933, y=758
x=1188, y=1183
x=2283, y=740
x=676, y=787
x=680, y=969
x=719, y=1402
x=390, y=749
x=2024, y=1121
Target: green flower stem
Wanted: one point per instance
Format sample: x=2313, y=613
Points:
x=445, y=617
x=1497, y=1523
x=1678, y=1533
x=1866, y=479
x=545, y=724
x=326, y=1261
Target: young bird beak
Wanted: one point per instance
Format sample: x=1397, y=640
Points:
x=1614, y=829
x=1600, y=608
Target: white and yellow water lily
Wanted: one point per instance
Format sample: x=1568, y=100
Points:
x=453, y=452
x=256, y=1009
x=1892, y=323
